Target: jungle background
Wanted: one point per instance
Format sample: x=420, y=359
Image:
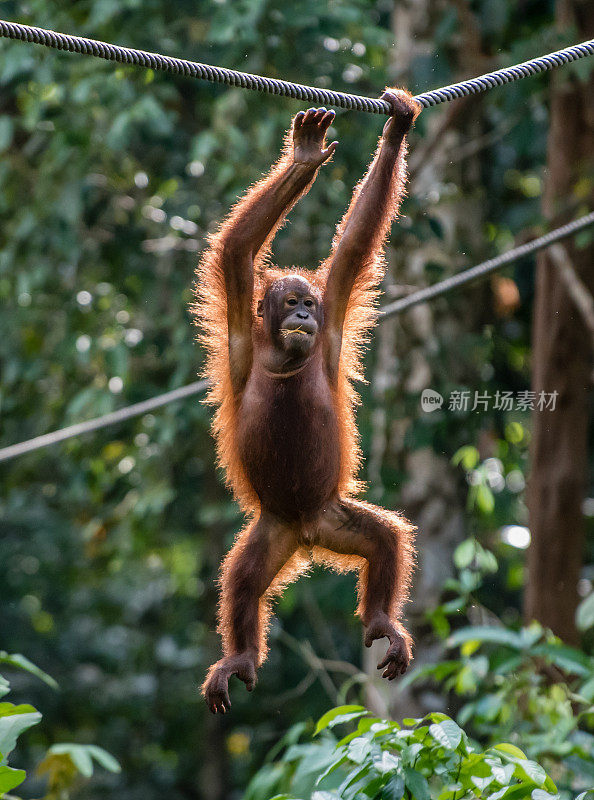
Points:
x=111, y=178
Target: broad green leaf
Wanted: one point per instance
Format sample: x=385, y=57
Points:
x=447, y=733
x=6, y=709
x=322, y=796
x=388, y=762
x=338, y=715
x=359, y=749
x=416, y=784
x=509, y=750
x=394, y=789
x=540, y=794
x=12, y=726
x=481, y=783
x=525, y=768
x=533, y=771
x=11, y=778
x=503, y=773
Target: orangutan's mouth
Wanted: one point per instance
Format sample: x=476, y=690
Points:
x=289, y=331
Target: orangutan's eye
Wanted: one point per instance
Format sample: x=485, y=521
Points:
x=291, y=301
x=308, y=303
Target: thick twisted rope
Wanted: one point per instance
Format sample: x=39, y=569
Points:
x=12, y=451
x=328, y=97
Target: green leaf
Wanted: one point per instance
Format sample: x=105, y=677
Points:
x=82, y=756
x=509, y=750
x=394, y=789
x=386, y=763
x=532, y=771
x=11, y=778
x=566, y=658
x=6, y=709
x=485, y=499
x=503, y=773
x=587, y=690
x=481, y=783
x=468, y=456
x=11, y=727
x=486, y=633
x=464, y=553
x=21, y=662
x=338, y=715
x=330, y=769
x=540, y=794
x=447, y=733
x=416, y=784
x=359, y=749
x=584, y=617
x=78, y=754
x=105, y=759
x=525, y=768
x=516, y=792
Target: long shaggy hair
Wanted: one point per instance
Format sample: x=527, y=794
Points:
x=210, y=314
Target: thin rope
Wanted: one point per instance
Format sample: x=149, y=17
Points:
x=389, y=310
x=112, y=418
x=473, y=273
x=328, y=97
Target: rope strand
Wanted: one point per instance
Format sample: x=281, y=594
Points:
x=389, y=310
x=328, y=97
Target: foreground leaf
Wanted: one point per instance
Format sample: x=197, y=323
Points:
x=11, y=778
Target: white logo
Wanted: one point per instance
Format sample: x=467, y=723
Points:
x=431, y=400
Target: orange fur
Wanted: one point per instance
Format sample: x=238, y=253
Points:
x=296, y=437
x=210, y=314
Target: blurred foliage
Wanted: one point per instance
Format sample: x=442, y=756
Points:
x=63, y=763
x=425, y=758
x=110, y=180
x=521, y=685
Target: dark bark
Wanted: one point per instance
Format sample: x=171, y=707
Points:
x=562, y=359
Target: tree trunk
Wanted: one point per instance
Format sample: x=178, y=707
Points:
x=562, y=358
